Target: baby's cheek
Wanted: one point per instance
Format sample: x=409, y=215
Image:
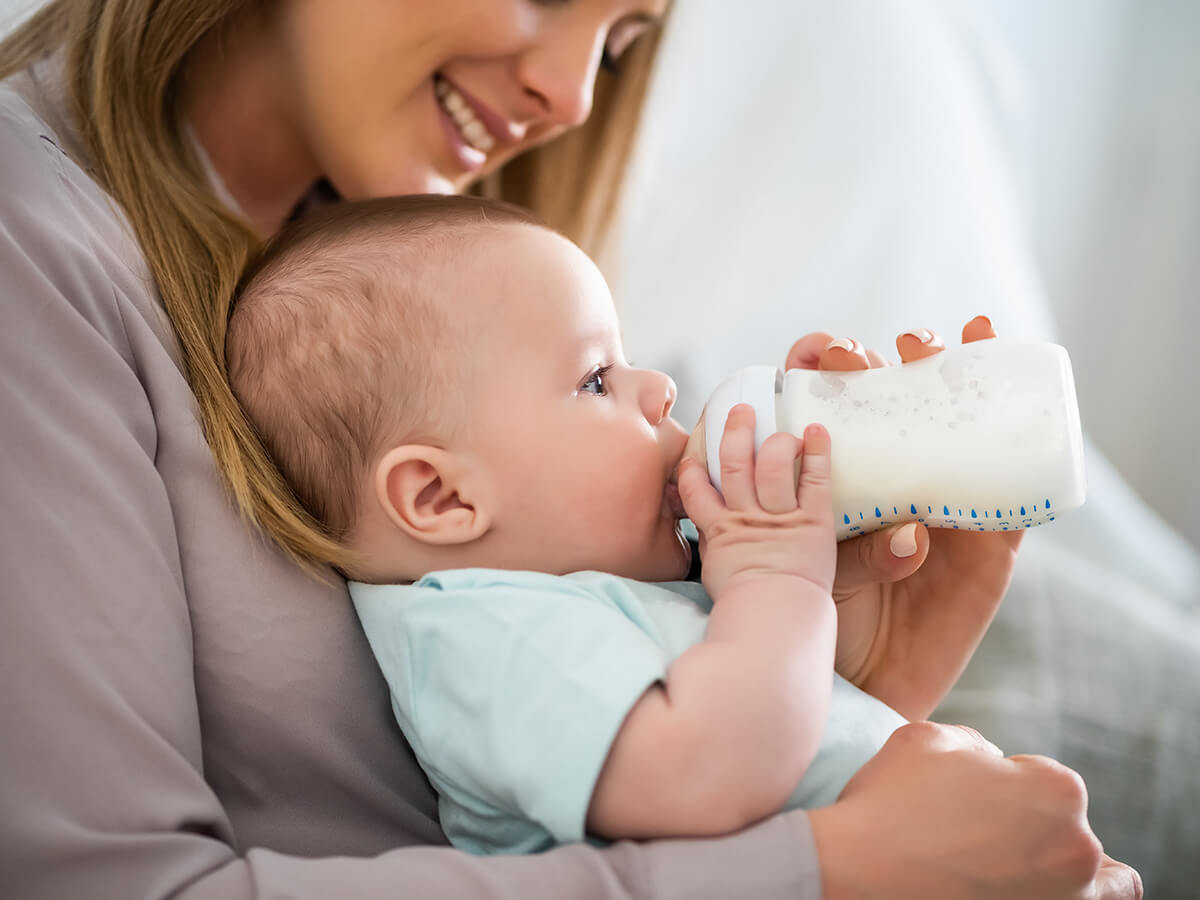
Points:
x=638, y=500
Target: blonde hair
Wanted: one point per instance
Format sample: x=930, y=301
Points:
x=337, y=346
x=122, y=60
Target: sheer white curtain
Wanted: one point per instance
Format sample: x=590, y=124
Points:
x=1110, y=168
x=862, y=168
x=865, y=167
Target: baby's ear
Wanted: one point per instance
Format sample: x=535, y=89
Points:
x=424, y=494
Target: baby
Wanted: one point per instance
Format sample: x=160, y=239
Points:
x=441, y=381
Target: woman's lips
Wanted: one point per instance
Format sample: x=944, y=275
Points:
x=469, y=158
x=501, y=129
x=473, y=130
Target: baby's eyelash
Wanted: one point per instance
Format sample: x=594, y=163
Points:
x=597, y=375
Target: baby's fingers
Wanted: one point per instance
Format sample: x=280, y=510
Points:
x=737, y=459
x=700, y=499
x=775, y=472
x=815, y=490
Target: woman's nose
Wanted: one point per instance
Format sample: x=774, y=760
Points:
x=656, y=395
x=559, y=74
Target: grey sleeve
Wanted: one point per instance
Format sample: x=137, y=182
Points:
x=102, y=792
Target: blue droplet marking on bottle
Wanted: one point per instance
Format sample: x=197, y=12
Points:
x=846, y=518
x=1022, y=510
x=878, y=514
x=912, y=508
x=1047, y=503
x=973, y=516
x=945, y=510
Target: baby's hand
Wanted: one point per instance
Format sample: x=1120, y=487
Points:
x=767, y=526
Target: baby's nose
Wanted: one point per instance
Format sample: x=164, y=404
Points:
x=657, y=396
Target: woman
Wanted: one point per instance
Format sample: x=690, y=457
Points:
x=182, y=702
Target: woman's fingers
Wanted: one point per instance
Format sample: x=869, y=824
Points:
x=978, y=329
x=843, y=355
x=806, y=352
x=820, y=350
x=1116, y=881
x=877, y=359
x=936, y=737
x=976, y=741
x=921, y=342
x=918, y=344
x=881, y=557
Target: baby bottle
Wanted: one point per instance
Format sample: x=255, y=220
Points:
x=981, y=437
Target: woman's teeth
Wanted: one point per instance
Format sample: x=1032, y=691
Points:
x=472, y=130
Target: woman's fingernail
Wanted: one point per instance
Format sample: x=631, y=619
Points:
x=924, y=335
x=904, y=541
x=843, y=343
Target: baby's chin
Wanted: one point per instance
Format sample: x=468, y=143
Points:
x=685, y=549
x=671, y=563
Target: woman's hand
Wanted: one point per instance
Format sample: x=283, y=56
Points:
x=939, y=812
x=913, y=603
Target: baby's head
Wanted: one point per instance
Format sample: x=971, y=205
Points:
x=441, y=381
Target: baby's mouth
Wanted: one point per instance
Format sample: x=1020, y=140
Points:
x=673, y=502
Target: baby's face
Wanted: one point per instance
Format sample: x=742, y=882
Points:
x=578, y=446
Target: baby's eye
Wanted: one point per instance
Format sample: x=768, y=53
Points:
x=596, y=383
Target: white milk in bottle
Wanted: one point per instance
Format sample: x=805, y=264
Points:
x=984, y=436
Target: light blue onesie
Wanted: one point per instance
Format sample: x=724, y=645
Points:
x=512, y=686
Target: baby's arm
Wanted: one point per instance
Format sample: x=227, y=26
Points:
x=728, y=735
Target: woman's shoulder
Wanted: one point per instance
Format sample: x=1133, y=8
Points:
x=34, y=139
x=63, y=239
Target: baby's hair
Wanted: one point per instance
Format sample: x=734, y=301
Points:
x=339, y=341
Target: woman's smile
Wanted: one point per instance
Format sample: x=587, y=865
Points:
x=473, y=129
